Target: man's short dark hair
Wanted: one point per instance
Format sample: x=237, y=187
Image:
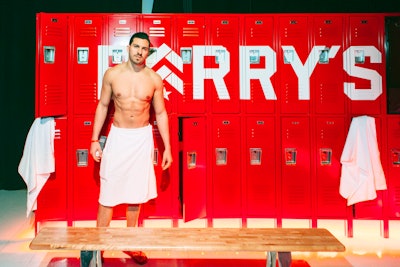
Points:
x=140, y=35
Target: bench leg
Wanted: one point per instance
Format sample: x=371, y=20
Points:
x=90, y=258
x=284, y=259
x=271, y=259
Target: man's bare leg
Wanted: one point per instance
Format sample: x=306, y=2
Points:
x=132, y=215
x=104, y=216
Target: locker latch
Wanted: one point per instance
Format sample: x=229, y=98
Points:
x=186, y=55
x=324, y=56
x=155, y=157
x=220, y=56
x=117, y=56
x=49, y=54
x=325, y=155
x=255, y=156
x=221, y=156
x=396, y=157
x=359, y=57
x=83, y=55
x=290, y=156
x=82, y=157
x=191, y=159
x=288, y=56
x=254, y=56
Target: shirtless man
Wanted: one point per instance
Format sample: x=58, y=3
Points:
x=126, y=170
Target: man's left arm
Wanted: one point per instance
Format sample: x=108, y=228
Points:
x=162, y=124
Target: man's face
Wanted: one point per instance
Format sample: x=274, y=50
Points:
x=138, y=50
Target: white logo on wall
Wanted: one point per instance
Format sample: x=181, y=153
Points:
x=112, y=55
x=164, y=51
x=165, y=61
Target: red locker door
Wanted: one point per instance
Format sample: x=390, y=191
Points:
x=226, y=178
x=294, y=72
x=52, y=200
x=87, y=35
x=393, y=166
x=163, y=60
x=296, y=174
x=194, y=182
x=364, y=65
x=190, y=32
x=85, y=172
x=260, y=173
x=328, y=76
x=330, y=138
x=120, y=30
x=222, y=64
x=258, y=65
x=162, y=206
x=51, y=64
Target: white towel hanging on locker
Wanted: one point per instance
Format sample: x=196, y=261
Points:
x=362, y=172
x=37, y=162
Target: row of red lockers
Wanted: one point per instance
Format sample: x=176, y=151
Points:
x=235, y=157
x=232, y=166
x=290, y=64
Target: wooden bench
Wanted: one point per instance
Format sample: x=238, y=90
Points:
x=187, y=239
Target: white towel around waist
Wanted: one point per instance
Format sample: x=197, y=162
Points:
x=127, y=171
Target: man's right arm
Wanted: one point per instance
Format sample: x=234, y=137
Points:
x=100, y=116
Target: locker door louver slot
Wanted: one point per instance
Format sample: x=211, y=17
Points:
x=53, y=94
x=190, y=32
x=226, y=33
x=57, y=134
x=88, y=32
x=53, y=31
x=87, y=93
x=157, y=31
x=122, y=32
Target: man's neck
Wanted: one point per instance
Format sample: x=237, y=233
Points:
x=136, y=67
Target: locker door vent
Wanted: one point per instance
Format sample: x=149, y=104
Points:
x=190, y=32
x=53, y=31
x=157, y=31
x=230, y=33
x=122, y=31
x=88, y=32
x=53, y=94
x=87, y=94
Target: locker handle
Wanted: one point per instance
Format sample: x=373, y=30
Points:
x=82, y=156
x=325, y=155
x=255, y=156
x=82, y=55
x=359, y=57
x=191, y=160
x=290, y=156
x=155, y=157
x=49, y=54
x=396, y=157
x=221, y=156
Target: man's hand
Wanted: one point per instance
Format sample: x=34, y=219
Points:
x=95, y=151
x=167, y=160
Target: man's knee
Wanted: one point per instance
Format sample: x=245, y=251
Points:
x=133, y=207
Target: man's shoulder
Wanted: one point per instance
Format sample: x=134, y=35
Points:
x=114, y=70
x=153, y=74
